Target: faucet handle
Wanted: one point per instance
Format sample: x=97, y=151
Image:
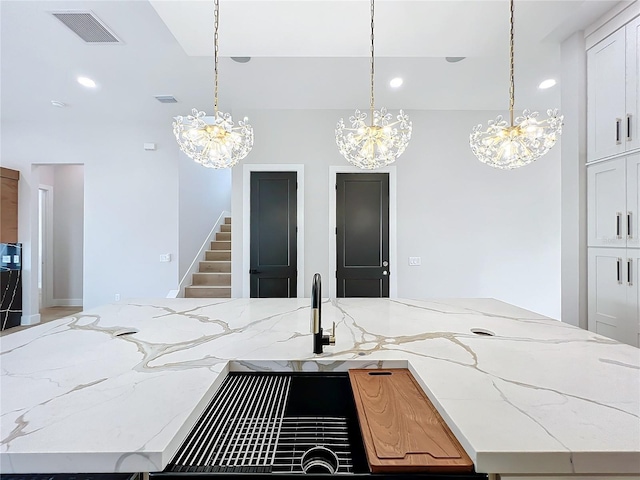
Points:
x=332, y=337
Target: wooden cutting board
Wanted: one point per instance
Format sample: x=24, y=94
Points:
x=401, y=429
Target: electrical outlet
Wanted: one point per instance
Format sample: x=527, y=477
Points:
x=415, y=261
x=117, y=297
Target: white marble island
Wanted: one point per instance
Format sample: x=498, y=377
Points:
x=538, y=398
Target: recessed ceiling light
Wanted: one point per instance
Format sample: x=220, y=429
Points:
x=454, y=59
x=396, y=82
x=550, y=82
x=241, y=59
x=86, y=82
x=57, y=103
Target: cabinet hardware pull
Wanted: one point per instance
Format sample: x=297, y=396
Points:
x=628, y=127
x=618, y=123
x=629, y=235
x=618, y=270
x=253, y=271
x=618, y=219
x=629, y=260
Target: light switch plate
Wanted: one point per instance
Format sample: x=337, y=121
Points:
x=165, y=257
x=415, y=261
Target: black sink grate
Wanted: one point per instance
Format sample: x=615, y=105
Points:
x=239, y=429
x=298, y=435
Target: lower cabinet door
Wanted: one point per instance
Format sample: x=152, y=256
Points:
x=632, y=327
x=608, y=291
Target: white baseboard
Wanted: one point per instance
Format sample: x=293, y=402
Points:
x=66, y=302
x=30, y=319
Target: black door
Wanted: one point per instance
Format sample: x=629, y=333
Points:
x=362, y=216
x=274, y=268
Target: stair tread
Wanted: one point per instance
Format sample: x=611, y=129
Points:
x=216, y=270
x=199, y=287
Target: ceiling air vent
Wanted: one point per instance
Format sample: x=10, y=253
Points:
x=166, y=98
x=87, y=26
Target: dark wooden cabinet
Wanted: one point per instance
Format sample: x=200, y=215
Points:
x=9, y=205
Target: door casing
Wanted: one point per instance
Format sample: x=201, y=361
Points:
x=46, y=267
x=393, y=238
x=246, y=220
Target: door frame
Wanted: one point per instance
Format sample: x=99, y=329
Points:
x=47, y=246
x=246, y=220
x=393, y=238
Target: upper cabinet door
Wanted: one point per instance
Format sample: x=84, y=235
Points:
x=631, y=120
x=606, y=97
x=606, y=204
x=633, y=201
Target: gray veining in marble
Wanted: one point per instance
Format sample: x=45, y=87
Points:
x=538, y=397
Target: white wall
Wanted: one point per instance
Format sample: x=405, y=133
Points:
x=480, y=232
x=204, y=193
x=68, y=234
x=67, y=230
x=574, y=180
x=131, y=204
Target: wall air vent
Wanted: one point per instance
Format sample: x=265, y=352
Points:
x=87, y=26
x=166, y=98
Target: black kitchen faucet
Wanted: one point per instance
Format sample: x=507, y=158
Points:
x=316, y=317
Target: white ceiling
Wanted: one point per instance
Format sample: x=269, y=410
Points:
x=306, y=54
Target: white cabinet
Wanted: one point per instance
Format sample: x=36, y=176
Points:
x=613, y=203
x=633, y=297
x=633, y=84
x=613, y=293
x=612, y=94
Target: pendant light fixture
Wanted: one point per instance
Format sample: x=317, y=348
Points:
x=214, y=141
x=523, y=140
x=382, y=141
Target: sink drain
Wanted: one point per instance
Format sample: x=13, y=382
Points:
x=319, y=460
x=124, y=332
x=482, y=332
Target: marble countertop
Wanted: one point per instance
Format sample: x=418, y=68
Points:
x=538, y=397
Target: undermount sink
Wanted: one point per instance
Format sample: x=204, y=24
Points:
x=279, y=424
x=282, y=425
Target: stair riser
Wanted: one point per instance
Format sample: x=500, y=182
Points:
x=223, y=236
x=207, y=292
x=227, y=220
x=220, y=255
x=212, y=279
x=217, y=267
x=220, y=245
x=225, y=228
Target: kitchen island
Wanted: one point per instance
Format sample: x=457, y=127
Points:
x=117, y=388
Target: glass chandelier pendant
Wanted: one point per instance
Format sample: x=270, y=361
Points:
x=524, y=140
x=382, y=141
x=213, y=141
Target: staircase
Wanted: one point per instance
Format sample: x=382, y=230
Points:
x=213, y=279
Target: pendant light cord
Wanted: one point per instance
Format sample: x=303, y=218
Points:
x=512, y=84
x=216, y=16
x=371, y=101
